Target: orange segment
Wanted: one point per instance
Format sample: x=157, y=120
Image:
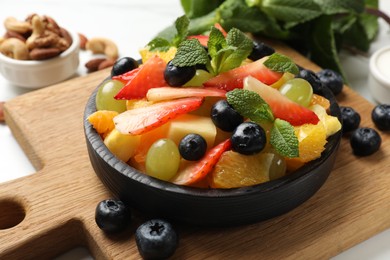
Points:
x=102, y=121
x=319, y=100
x=237, y=170
x=166, y=56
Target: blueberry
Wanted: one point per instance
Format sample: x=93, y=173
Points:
x=248, y=138
x=123, y=65
x=260, y=50
x=312, y=78
x=192, y=147
x=381, y=117
x=112, y=216
x=177, y=76
x=365, y=141
x=332, y=80
x=225, y=117
x=156, y=239
x=351, y=119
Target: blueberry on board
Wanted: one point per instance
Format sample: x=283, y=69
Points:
x=156, y=239
x=225, y=117
x=351, y=119
x=192, y=147
x=260, y=50
x=332, y=80
x=112, y=216
x=365, y=141
x=177, y=76
x=248, y=138
x=381, y=117
x=123, y=65
x=312, y=78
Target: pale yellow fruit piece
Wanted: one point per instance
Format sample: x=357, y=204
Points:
x=331, y=123
x=286, y=77
x=166, y=56
x=237, y=170
x=192, y=124
x=102, y=121
x=137, y=103
x=121, y=145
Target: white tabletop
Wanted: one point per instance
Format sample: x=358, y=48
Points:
x=131, y=24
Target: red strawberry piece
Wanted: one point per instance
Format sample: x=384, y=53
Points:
x=219, y=27
x=232, y=79
x=203, y=39
x=126, y=77
x=140, y=120
x=198, y=170
x=150, y=75
x=281, y=106
x=169, y=93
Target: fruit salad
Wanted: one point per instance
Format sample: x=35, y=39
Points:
x=212, y=111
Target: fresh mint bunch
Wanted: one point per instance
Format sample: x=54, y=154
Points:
x=250, y=105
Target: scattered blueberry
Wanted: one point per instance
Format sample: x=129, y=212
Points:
x=123, y=65
x=112, y=216
x=177, y=76
x=192, y=147
x=156, y=239
x=225, y=117
x=381, y=117
x=332, y=80
x=312, y=78
x=365, y=141
x=248, y=138
x=260, y=50
x=351, y=119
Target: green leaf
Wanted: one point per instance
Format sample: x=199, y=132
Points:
x=181, y=25
x=159, y=44
x=291, y=11
x=281, y=63
x=283, y=139
x=340, y=6
x=197, y=8
x=190, y=53
x=250, y=105
x=216, y=42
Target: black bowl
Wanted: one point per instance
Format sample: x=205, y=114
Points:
x=209, y=207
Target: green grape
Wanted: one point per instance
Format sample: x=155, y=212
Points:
x=277, y=166
x=105, y=96
x=163, y=159
x=201, y=76
x=298, y=90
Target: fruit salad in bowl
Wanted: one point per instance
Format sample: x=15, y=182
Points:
x=211, y=130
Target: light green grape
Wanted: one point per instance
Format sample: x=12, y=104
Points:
x=277, y=167
x=201, y=76
x=105, y=97
x=163, y=159
x=298, y=90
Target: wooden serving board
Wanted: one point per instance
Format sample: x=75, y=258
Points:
x=56, y=205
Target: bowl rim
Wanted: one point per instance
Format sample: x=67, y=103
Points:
x=36, y=63
x=375, y=71
x=132, y=174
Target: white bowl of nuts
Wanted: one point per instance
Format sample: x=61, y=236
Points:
x=37, y=52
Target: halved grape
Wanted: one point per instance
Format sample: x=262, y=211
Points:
x=277, y=167
x=105, y=96
x=298, y=90
x=201, y=76
x=163, y=159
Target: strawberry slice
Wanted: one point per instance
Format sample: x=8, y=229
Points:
x=126, y=77
x=281, y=106
x=234, y=78
x=168, y=93
x=140, y=120
x=138, y=82
x=203, y=39
x=198, y=170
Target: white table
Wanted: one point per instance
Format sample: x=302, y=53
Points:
x=131, y=24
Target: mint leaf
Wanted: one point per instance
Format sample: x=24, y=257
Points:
x=190, y=53
x=337, y=6
x=283, y=139
x=181, y=25
x=216, y=42
x=250, y=105
x=242, y=47
x=159, y=44
x=281, y=63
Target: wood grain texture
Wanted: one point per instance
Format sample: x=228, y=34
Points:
x=59, y=200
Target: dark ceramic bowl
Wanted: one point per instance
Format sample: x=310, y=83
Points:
x=209, y=207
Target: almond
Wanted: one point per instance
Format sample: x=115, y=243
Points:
x=93, y=64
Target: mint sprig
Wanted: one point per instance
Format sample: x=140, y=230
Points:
x=281, y=63
x=190, y=53
x=283, y=139
x=250, y=105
